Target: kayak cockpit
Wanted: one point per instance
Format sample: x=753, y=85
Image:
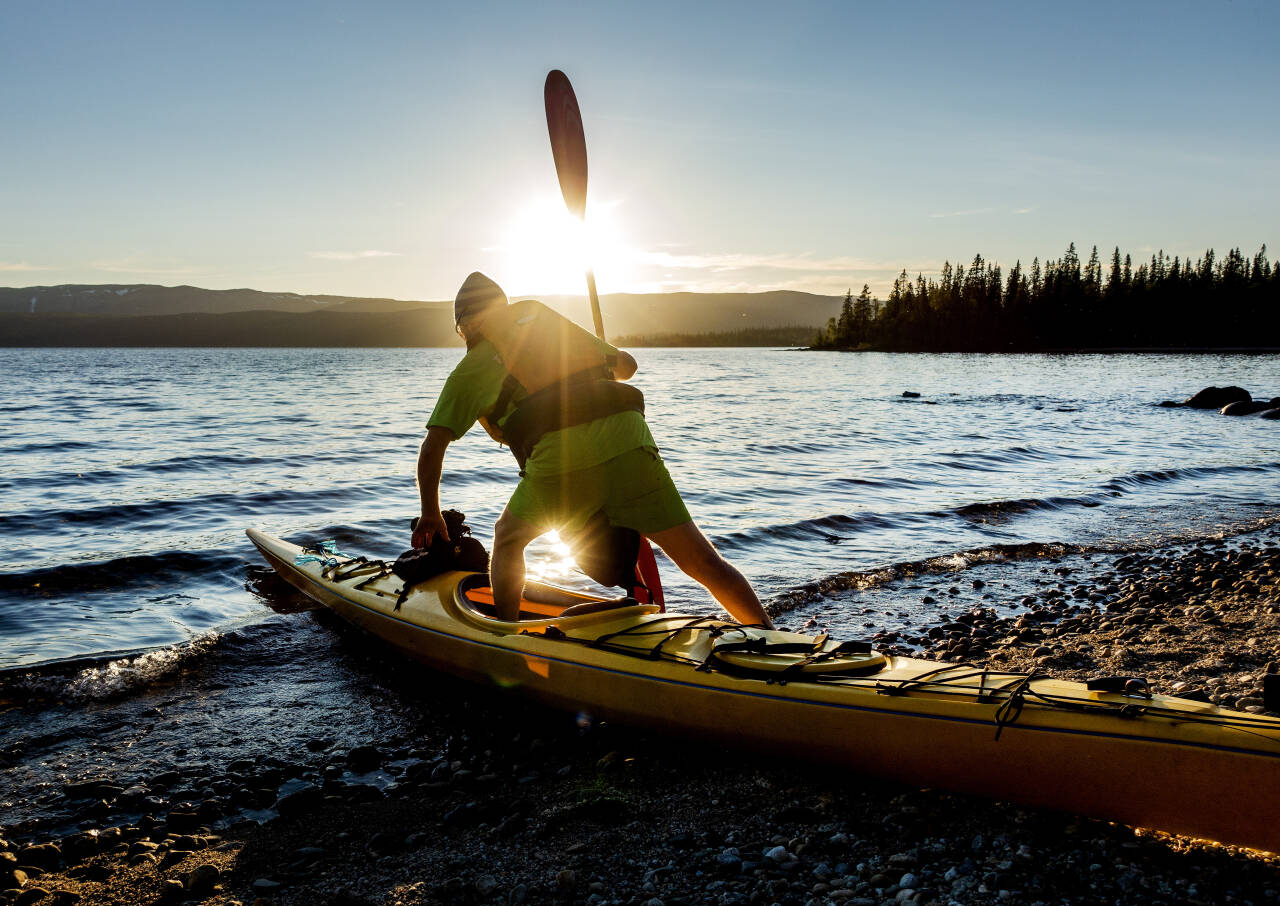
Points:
x=540, y=604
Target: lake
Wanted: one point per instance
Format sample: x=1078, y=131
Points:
x=130, y=474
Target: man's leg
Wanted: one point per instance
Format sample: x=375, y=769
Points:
x=690, y=550
x=511, y=535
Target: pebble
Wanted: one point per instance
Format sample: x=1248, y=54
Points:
x=12, y=877
x=779, y=854
x=299, y=800
x=202, y=876
x=363, y=759
x=41, y=855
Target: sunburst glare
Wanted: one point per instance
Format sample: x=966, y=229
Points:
x=549, y=559
x=545, y=249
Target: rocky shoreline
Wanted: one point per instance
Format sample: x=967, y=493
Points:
x=492, y=801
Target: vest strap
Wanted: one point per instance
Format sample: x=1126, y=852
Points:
x=563, y=405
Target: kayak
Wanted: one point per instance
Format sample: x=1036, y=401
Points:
x=1108, y=749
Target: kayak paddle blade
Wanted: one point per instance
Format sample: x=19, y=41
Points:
x=568, y=142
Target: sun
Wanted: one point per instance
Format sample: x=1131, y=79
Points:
x=545, y=249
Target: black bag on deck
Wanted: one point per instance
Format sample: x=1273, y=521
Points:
x=461, y=551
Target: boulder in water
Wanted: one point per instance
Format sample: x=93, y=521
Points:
x=1271, y=413
x=1216, y=397
x=1242, y=407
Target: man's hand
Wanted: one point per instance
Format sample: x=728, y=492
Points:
x=429, y=525
x=625, y=367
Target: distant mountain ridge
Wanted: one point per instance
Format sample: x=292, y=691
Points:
x=150, y=315
x=151, y=299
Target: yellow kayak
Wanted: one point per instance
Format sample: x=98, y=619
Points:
x=1127, y=755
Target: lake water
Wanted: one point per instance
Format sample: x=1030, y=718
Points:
x=130, y=475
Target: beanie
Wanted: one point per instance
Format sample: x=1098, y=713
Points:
x=478, y=292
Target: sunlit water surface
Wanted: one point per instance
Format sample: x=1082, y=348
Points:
x=130, y=475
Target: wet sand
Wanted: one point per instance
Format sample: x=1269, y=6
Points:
x=484, y=799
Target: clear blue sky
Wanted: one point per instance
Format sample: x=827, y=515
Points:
x=388, y=149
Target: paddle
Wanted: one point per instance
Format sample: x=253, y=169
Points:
x=569, y=148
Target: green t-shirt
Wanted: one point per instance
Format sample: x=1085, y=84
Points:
x=472, y=390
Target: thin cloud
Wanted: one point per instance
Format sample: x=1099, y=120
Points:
x=968, y=213
x=837, y=268
x=738, y=261
x=1024, y=210
x=128, y=266
x=15, y=266
x=352, y=256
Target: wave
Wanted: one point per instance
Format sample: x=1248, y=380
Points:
x=857, y=580
x=770, y=449
x=58, y=446
x=119, y=574
x=100, y=678
x=997, y=510
x=242, y=506
x=1138, y=480
x=958, y=561
x=891, y=481
x=222, y=463
x=837, y=527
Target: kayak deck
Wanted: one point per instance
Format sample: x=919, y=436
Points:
x=1128, y=755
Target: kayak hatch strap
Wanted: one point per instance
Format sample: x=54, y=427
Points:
x=1011, y=710
x=656, y=651
x=642, y=629
x=819, y=656
x=927, y=678
x=355, y=568
x=382, y=573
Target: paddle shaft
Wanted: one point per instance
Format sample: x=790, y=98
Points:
x=595, y=303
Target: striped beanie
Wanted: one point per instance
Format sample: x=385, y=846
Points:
x=478, y=292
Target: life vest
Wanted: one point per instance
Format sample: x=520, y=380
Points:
x=567, y=378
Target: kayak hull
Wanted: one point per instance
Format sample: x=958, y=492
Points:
x=1203, y=772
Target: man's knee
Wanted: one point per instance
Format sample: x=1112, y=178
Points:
x=511, y=533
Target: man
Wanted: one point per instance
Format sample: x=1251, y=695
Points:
x=549, y=389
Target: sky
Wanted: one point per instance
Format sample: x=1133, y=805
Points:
x=389, y=149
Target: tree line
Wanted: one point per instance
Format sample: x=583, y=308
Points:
x=1232, y=301
x=791, y=335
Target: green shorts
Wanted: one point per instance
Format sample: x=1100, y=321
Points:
x=633, y=490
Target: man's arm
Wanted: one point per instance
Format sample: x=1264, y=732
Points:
x=430, y=465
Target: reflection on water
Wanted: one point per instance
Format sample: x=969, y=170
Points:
x=131, y=474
